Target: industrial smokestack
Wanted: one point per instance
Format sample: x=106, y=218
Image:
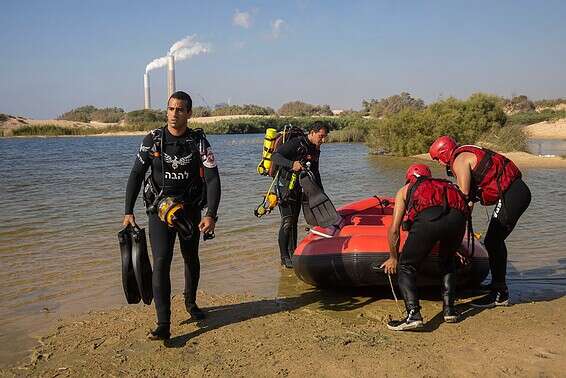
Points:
x=170, y=75
x=147, y=96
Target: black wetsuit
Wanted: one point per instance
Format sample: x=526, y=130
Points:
x=428, y=228
x=290, y=201
x=182, y=159
x=506, y=214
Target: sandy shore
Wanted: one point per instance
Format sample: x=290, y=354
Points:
x=547, y=130
x=307, y=335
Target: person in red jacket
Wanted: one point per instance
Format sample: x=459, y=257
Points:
x=489, y=178
x=436, y=212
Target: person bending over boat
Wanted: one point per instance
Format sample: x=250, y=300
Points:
x=184, y=177
x=290, y=157
x=436, y=212
x=491, y=179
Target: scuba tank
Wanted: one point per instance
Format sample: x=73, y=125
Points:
x=266, y=167
x=268, y=148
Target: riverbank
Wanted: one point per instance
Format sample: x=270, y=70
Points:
x=306, y=335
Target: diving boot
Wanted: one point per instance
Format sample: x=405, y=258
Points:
x=494, y=298
x=162, y=332
x=448, y=295
x=450, y=314
x=414, y=320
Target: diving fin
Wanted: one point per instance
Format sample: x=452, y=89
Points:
x=318, y=210
x=141, y=264
x=128, y=277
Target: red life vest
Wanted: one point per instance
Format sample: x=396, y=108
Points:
x=428, y=192
x=492, y=175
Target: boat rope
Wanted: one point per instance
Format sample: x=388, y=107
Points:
x=394, y=295
x=320, y=233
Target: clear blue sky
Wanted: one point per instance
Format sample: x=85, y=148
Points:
x=57, y=55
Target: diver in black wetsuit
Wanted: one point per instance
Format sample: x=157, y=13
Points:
x=290, y=157
x=182, y=167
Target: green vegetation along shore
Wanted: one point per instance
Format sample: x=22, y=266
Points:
x=397, y=125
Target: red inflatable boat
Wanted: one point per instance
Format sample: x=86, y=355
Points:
x=350, y=253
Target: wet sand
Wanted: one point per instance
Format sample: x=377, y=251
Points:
x=306, y=335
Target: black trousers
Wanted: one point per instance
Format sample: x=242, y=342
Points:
x=162, y=238
x=425, y=232
x=503, y=220
x=289, y=211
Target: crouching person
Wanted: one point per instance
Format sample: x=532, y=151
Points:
x=436, y=211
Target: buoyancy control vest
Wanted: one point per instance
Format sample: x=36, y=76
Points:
x=426, y=192
x=181, y=175
x=492, y=175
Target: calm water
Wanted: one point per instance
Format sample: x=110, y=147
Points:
x=62, y=201
x=548, y=147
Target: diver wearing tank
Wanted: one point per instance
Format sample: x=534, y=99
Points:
x=291, y=157
x=182, y=167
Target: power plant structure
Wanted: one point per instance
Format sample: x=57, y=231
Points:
x=170, y=75
x=170, y=82
x=147, y=95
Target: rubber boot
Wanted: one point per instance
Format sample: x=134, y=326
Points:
x=408, y=285
x=448, y=292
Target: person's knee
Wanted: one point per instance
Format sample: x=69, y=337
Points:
x=406, y=269
x=287, y=224
x=492, y=242
x=161, y=264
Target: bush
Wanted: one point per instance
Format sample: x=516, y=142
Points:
x=302, y=109
x=260, y=124
x=411, y=131
x=52, y=130
x=504, y=139
x=90, y=113
x=351, y=113
x=529, y=118
x=201, y=111
x=247, y=109
x=391, y=105
x=80, y=114
x=146, y=116
x=519, y=104
x=549, y=103
x=3, y=117
x=108, y=115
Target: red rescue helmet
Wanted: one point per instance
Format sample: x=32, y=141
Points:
x=417, y=170
x=442, y=149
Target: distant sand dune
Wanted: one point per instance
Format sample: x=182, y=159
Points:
x=547, y=130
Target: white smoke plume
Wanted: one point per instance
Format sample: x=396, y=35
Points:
x=181, y=50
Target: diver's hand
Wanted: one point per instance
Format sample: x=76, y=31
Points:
x=297, y=166
x=207, y=225
x=129, y=219
x=390, y=265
